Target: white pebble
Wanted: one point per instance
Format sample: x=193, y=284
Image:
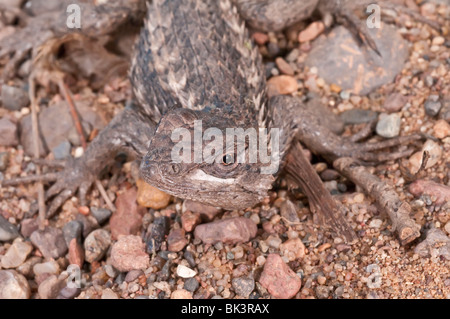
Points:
x=185, y=272
x=79, y=151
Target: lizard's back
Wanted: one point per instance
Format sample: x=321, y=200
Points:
x=196, y=54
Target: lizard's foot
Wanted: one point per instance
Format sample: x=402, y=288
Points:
x=74, y=177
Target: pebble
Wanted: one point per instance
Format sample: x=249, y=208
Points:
x=28, y=226
x=110, y=271
x=13, y=285
x=49, y=267
x=149, y=196
x=288, y=210
x=4, y=159
x=389, y=125
x=395, y=102
x=8, y=231
x=176, y=240
x=229, y=231
x=329, y=175
x=447, y=227
x=190, y=220
x=134, y=274
x=8, y=133
x=441, y=129
x=108, y=293
x=191, y=284
x=156, y=233
x=440, y=192
x=279, y=280
x=16, y=254
x=50, y=287
x=89, y=223
x=322, y=292
x=128, y=253
x=281, y=84
x=358, y=116
x=435, y=244
x=341, y=60
x=68, y=293
x=207, y=212
x=283, y=66
x=96, y=244
x=14, y=98
x=260, y=38
x=76, y=253
x=444, y=114
x=293, y=249
x=375, y=223
x=101, y=214
x=26, y=268
x=127, y=219
x=273, y=241
x=62, y=150
x=243, y=286
x=71, y=230
x=433, y=105
x=185, y=272
x=311, y=32
x=181, y=294
x=50, y=242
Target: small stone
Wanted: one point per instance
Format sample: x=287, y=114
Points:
x=149, y=196
x=26, y=268
x=441, y=129
x=229, y=231
x=110, y=271
x=28, y=226
x=71, y=230
x=49, y=267
x=4, y=159
x=101, y=214
x=185, y=272
x=288, y=210
x=389, y=125
x=311, y=32
x=89, y=223
x=283, y=66
x=134, y=274
x=190, y=220
x=435, y=244
x=50, y=287
x=260, y=38
x=358, y=116
x=322, y=292
x=68, y=293
x=243, y=286
x=50, y=242
x=273, y=241
x=8, y=133
x=375, y=223
x=395, y=102
x=335, y=88
x=76, y=253
x=156, y=233
x=128, y=253
x=191, y=284
x=108, y=293
x=207, y=212
x=16, y=254
x=176, y=240
x=79, y=151
x=62, y=151
x=127, y=219
x=96, y=244
x=433, y=105
x=438, y=40
x=447, y=227
x=279, y=280
x=281, y=84
x=14, y=98
x=13, y=285
x=181, y=294
x=439, y=192
x=293, y=249
x=329, y=175
x=321, y=280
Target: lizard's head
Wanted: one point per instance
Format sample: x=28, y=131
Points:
x=189, y=157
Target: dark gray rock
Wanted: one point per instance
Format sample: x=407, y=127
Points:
x=134, y=274
x=8, y=231
x=14, y=98
x=243, y=286
x=50, y=242
x=191, y=284
x=433, y=105
x=28, y=226
x=89, y=223
x=100, y=214
x=62, y=151
x=71, y=230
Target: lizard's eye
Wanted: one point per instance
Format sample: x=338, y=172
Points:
x=228, y=159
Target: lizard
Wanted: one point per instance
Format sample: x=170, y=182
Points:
x=194, y=60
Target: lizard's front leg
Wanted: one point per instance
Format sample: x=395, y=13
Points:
x=129, y=132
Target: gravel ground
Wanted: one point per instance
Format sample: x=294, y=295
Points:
x=185, y=250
